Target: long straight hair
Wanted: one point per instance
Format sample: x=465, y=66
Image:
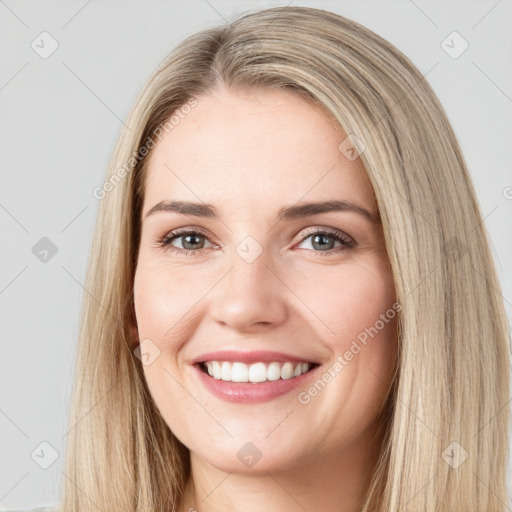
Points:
x=445, y=447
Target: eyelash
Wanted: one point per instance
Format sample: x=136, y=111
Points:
x=165, y=243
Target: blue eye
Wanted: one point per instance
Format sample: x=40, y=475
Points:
x=193, y=242
x=326, y=239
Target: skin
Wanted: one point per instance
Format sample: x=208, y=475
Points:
x=248, y=154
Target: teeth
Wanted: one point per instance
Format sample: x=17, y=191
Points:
x=217, y=372
x=287, y=371
x=274, y=371
x=225, y=371
x=256, y=372
x=239, y=372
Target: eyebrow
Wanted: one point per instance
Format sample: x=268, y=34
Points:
x=286, y=213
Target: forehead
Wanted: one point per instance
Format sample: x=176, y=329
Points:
x=264, y=145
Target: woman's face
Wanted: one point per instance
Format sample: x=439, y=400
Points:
x=251, y=271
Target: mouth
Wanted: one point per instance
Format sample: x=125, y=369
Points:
x=255, y=373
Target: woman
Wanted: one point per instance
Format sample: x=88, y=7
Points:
x=291, y=299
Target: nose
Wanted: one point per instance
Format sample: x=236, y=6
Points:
x=250, y=296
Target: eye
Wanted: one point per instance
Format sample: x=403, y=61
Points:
x=325, y=239
x=192, y=242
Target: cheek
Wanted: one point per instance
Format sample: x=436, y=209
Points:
x=348, y=301
x=163, y=301
x=359, y=317
x=358, y=314
x=160, y=302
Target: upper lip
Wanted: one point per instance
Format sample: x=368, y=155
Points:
x=256, y=356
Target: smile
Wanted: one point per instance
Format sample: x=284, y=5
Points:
x=253, y=391
x=256, y=372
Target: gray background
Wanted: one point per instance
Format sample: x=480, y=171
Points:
x=60, y=116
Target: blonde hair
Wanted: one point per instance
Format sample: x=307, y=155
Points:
x=452, y=375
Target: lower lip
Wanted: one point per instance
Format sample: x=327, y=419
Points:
x=251, y=393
